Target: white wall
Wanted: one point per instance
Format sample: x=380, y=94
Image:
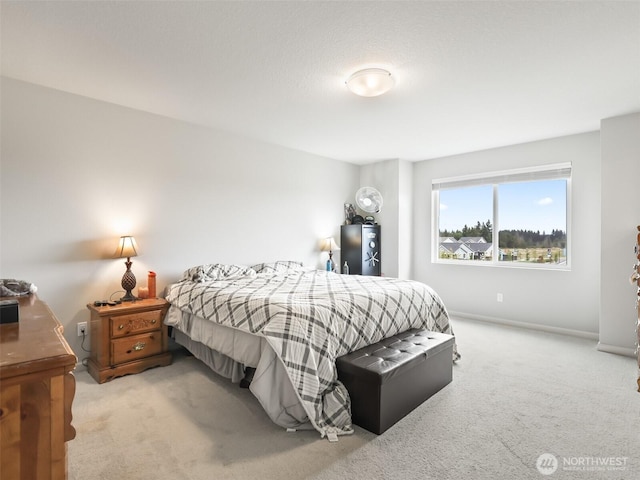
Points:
x=562, y=300
x=620, y=138
x=393, y=178
x=405, y=219
x=383, y=176
x=77, y=173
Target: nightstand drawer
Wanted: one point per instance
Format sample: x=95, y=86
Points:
x=134, y=347
x=135, y=323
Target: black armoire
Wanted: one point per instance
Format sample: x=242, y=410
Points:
x=360, y=248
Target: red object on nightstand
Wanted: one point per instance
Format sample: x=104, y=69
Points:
x=151, y=284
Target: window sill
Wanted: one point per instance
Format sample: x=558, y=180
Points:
x=509, y=265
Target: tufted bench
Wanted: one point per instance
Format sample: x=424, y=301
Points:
x=388, y=379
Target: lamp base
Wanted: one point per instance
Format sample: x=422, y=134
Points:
x=128, y=297
x=128, y=283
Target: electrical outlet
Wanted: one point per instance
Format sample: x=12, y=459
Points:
x=499, y=298
x=82, y=328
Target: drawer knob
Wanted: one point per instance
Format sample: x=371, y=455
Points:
x=120, y=327
x=153, y=321
x=139, y=346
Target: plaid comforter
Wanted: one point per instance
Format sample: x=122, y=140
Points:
x=310, y=318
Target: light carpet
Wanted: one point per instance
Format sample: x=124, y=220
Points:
x=517, y=394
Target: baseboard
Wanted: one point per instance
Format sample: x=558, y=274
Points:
x=530, y=326
x=627, y=352
x=602, y=347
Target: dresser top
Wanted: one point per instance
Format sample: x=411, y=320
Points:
x=35, y=343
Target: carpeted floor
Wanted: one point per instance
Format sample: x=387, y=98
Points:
x=517, y=394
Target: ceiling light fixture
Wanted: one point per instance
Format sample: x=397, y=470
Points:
x=370, y=82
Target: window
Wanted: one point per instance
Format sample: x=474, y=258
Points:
x=512, y=218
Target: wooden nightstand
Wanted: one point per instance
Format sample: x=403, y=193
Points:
x=128, y=338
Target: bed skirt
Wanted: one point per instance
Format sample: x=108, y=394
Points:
x=270, y=385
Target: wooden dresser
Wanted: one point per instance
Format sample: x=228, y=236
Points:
x=36, y=392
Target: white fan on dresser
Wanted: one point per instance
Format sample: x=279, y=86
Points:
x=369, y=200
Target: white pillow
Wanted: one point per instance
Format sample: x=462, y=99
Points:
x=217, y=271
x=281, y=266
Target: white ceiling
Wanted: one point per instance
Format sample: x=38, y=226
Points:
x=469, y=75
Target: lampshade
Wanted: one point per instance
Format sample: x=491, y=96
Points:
x=127, y=247
x=370, y=82
x=328, y=244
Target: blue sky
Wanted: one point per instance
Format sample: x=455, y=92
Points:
x=537, y=206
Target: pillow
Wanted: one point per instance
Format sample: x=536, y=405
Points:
x=217, y=271
x=281, y=266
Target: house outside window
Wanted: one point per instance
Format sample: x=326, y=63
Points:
x=515, y=218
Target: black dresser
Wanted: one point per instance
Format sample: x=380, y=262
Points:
x=360, y=248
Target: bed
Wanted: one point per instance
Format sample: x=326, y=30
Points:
x=290, y=323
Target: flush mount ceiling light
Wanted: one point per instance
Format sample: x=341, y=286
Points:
x=370, y=82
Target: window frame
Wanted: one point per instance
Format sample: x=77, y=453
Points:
x=554, y=171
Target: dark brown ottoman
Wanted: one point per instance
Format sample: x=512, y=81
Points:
x=388, y=379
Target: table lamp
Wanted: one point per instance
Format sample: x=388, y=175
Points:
x=328, y=245
x=127, y=249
